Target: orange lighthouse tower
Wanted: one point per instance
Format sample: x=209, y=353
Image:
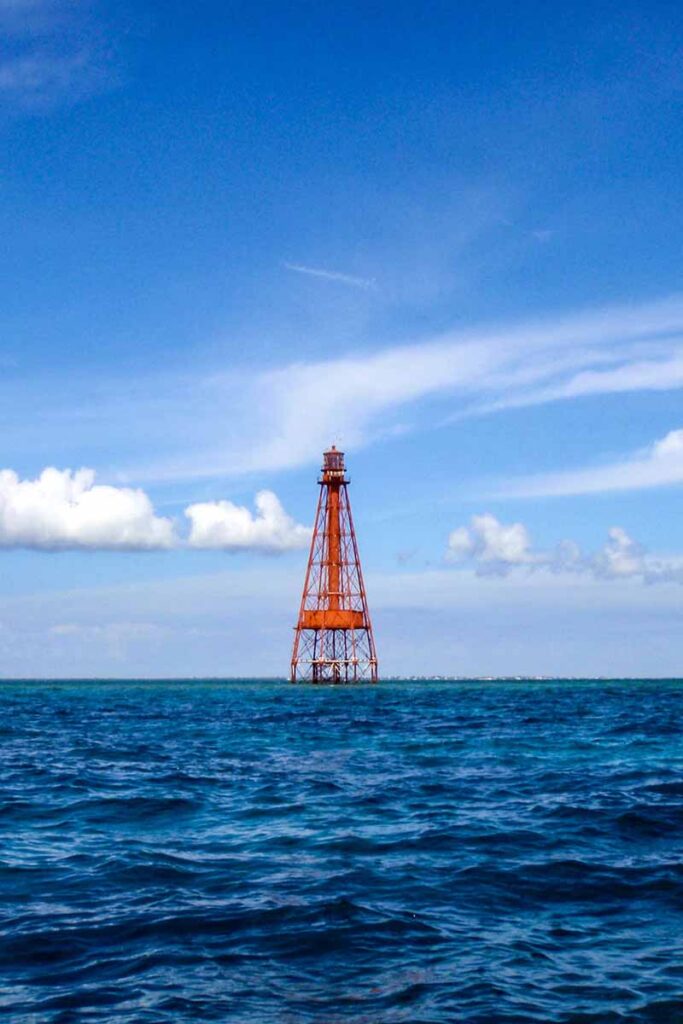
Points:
x=334, y=641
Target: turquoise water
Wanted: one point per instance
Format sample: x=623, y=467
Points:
x=421, y=852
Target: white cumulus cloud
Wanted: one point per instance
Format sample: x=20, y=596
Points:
x=222, y=524
x=63, y=509
x=495, y=546
x=499, y=549
x=621, y=556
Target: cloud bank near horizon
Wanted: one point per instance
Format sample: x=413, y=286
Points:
x=498, y=549
x=65, y=510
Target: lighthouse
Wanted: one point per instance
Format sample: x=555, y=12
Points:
x=333, y=640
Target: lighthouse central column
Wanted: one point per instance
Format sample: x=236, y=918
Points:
x=333, y=546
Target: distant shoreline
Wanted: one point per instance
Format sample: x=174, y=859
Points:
x=385, y=679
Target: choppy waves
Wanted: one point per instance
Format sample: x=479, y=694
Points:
x=432, y=852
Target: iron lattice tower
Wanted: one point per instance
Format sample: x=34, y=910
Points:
x=333, y=641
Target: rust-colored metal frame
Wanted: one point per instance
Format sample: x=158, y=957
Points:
x=333, y=640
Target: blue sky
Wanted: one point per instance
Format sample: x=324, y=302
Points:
x=445, y=236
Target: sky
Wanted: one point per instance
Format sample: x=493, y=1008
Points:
x=444, y=236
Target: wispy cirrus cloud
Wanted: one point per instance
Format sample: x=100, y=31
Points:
x=652, y=367
x=249, y=420
x=658, y=465
x=28, y=17
x=281, y=418
x=367, y=283
x=52, y=54
x=37, y=78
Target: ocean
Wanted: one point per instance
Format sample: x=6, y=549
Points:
x=423, y=852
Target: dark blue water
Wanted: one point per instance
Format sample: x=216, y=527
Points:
x=421, y=852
